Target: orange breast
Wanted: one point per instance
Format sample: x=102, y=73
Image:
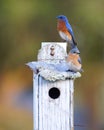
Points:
x=62, y=27
x=74, y=59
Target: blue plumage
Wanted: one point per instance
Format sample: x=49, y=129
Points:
x=68, y=28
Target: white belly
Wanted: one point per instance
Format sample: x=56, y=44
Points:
x=63, y=36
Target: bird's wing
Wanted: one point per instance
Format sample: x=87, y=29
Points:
x=79, y=60
x=70, y=30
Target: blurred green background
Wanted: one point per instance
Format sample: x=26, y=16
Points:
x=24, y=24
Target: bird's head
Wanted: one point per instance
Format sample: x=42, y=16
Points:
x=62, y=17
x=75, y=50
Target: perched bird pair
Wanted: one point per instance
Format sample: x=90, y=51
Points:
x=73, y=60
x=66, y=33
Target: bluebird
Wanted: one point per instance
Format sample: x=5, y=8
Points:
x=74, y=61
x=65, y=30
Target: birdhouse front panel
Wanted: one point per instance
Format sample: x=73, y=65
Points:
x=53, y=88
x=53, y=105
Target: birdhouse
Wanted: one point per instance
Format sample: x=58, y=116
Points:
x=53, y=90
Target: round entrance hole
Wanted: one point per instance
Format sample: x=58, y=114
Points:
x=54, y=93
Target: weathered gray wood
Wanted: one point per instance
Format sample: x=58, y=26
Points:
x=35, y=102
x=71, y=104
x=49, y=113
x=62, y=44
x=52, y=52
x=53, y=114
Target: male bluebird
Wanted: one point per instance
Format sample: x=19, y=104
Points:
x=65, y=30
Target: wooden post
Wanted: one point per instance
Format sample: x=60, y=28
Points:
x=53, y=101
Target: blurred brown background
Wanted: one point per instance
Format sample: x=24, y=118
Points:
x=24, y=24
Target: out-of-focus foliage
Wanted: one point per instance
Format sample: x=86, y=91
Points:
x=24, y=24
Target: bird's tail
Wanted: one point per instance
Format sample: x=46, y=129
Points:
x=81, y=70
x=74, y=42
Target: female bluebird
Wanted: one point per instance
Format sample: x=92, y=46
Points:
x=65, y=30
x=74, y=61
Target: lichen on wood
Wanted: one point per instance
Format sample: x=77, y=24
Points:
x=51, y=64
x=53, y=75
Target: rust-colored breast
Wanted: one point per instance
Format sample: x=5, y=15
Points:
x=61, y=26
x=74, y=59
